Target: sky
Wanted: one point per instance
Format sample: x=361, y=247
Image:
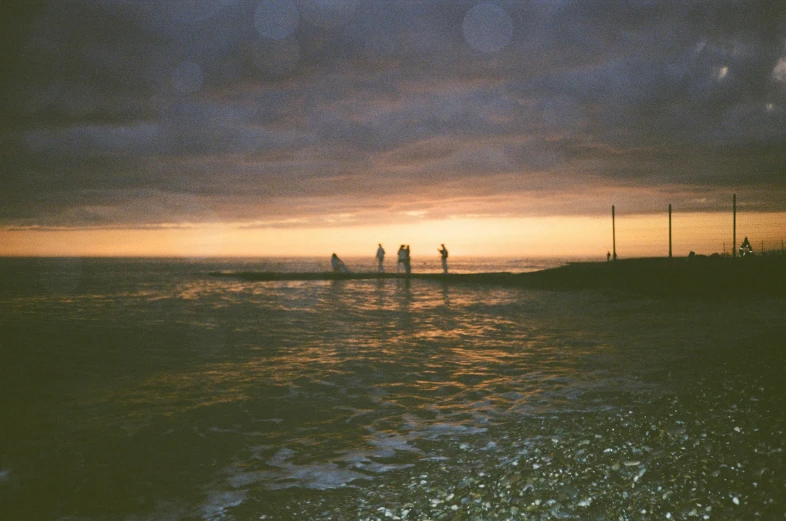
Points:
x=273, y=127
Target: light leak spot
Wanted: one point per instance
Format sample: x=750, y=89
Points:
x=487, y=27
x=276, y=19
x=187, y=77
x=722, y=72
x=779, y=71
x=195, y=11
x=327, y=13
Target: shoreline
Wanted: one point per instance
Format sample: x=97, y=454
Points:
x=702, y=276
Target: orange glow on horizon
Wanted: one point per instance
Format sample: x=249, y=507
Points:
x=642, y=235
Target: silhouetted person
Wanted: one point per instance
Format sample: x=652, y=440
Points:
x=380, y=258
x=407, y=260
x=444, y=252
x=608, y=256
x=338, y=264
x=746, y=248
x=402, y=255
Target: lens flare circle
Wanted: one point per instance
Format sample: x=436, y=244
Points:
x=487, y=27
x=276, y=19
x=327, y=14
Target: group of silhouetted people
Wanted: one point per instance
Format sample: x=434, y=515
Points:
x=404, y=260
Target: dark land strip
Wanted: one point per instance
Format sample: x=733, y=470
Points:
x=704, y=276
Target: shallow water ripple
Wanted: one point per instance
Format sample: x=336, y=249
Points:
x=182, y=396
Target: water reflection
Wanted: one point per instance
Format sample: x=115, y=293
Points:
x=222, y=387
x=403, y=299
x=445, y=293
x=374, y=355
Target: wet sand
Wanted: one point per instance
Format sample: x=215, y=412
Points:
x=703, y=276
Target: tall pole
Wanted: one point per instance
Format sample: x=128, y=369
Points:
x=613, y=234
x=734, y=235
x=669, y=230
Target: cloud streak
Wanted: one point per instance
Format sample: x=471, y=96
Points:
x=121, y=113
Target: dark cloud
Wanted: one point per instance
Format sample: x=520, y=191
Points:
x=120, y=112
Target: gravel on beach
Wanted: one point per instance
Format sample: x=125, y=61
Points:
x=712, y=451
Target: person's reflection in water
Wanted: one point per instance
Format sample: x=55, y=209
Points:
x=404, y=302
x=380, y=293
x=337, y=299
x=445, y=293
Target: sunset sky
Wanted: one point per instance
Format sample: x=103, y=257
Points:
x=277, y=127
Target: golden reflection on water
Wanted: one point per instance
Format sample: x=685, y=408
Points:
x=425, y=346
x=392, y=347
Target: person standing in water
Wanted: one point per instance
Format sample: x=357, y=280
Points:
x=402, y=253
x=380, y=258
x=407, y=261
x=444, y=252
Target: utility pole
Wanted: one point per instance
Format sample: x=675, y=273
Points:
x=669, y=230
x=734, y=234
x=613, y=235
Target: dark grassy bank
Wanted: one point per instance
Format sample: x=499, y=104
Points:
x=709, y=276
x=713, y=276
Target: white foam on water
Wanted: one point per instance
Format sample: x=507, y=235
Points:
x=448, y=429
x=323, y=476
x=244, y=479
x=214, y=509
x=380, y=468
x=286, y=474
x=362, y=461
x=280, y=457
x=387, y=444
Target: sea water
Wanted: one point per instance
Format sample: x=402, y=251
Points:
x=138, y=389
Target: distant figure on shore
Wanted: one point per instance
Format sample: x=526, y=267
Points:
x=745, y=248
x=402, y=254
x=444, y=252
x=338, y=264
x=608, y=256
x=407, y=260
x=380, y=258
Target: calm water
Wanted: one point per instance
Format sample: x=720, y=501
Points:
x=145, y=389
